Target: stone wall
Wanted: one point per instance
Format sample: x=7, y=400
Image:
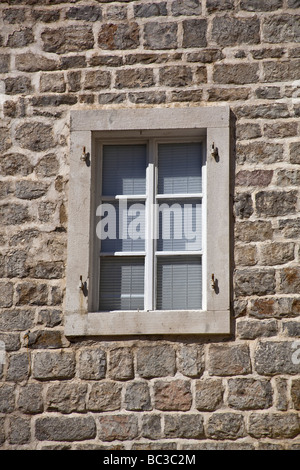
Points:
x=241, y=392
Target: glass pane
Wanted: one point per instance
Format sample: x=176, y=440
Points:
x=121, y=283
x=180, y=226
x=179, y=283
x=122, y=226
x=124, y=169
x=180, y=168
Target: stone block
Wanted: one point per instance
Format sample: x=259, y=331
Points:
x=184, y=426
x=7, y=398
x=105, y=396
x=155, y=361
x=35, y=136
x=66, y=397
x=147, y=10
x=281, y=28
x=277, y=253
x=4, y=63
x=65, y=428
x=225, y=426
x=30, y=62
x=119, y=36
x=137, y=397
x=190, y=360
x=295, y=393
x=275, y=357
x=13, y=214
x=275, y=203
x=30, y=293
x=294, y=148
x=13, y=164
x=53, y=365
x=247, y=329
x=18, y=85
x=151, y=426
x=6, y=294
x=120, y=364
x=92, y=364
x=243, y=205
x=19, y=432
x=175, y=76
x=27, y=189
x=160, y=35
x=254, y=282
x=194, y=33
x=120, y=427
x=20, y=38
x=208, y=394
x=5, y=140
x=215, y=5
x=52, y=82
x=186, y=8
x=231, y=31
x=253, y=231
x=274, y=426
x=97, y=80
x=261, y=5
x=229, y=359
x=134, y=78
x=238, y=74
x=174, y=395
x=30, y=399
x=85, y=13
x=67, y=39
x=249, y=394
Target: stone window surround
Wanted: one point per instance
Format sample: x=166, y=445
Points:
x=86, y=126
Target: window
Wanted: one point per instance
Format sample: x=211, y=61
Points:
x=149, y=226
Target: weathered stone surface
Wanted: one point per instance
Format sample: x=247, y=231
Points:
x=206, y=55
x=282, y=28
x=63, y=428
x=30, y=293
x=4, y=63
x=120, y=426
x=253, y=231
x=35, y=136
x=5, y=140
x=267, y=111
x=105, y=396
x=268, y=93
x=7, y=398
x=137, y=397
x=73, y=62
x=134, y=78
x=295, y=393
x=92, y=364
x=19, y=430
x=66, y=397
x=254, y=178
x=249, y=394
x=228, y=94
x=12, y=164
x=275, y=425
x=275, y=357
x=30, y=189
x=18, y=85
x=84, y=13
x=67, y=39
x=176, y=76
x=239, y=74
x=225, y=426
x=18, y=367
x=190, y=360
x=259, y=152
x=6, y=294
x=46, y=16
x=295, y=152
x=97, y=80
x=290, y=280
x=277, y=253
x=245, y=255
x=46, y=339
x=288, y=178
x=52, y=82
x=160, y=35
x=291, y=328
x=208, y=394
x=216, y=5
x=47, y=270
x=172, y=396
x=247, y=329
x=147, y=97
x=243, y=205
x=150, y=9
x=261, y=5
x=119, y=36
x=185, y=426
x=230, y=31
x=30, y=399
x=49, y=317
x=120, y=364
x=155, y=361
x=16, y=320
x=2, y=432
x=281, y=71
x=13, y=214
x=53, y=365
x=194, y=33
x=29, y=62
x=281, y=401
x=186, y=8
x=151, y=426
x=229, y=359
x=20, y=38
x=275, y=203
x=254, y=282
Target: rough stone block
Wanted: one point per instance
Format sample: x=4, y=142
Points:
x=184, y=426
x=194, y=33
x=19, y=430
x=208, y=394
x=134, y=78
x=84, y=13
x=155, y=361
x=295, y=393
x=18, y=85
x=63, y=428
x=261, y=5
x=97, y=80
x=274, y=426
x=239, y=74
x=254, y=282
x=216, y=5
x=190, y=360
x=231, y=31
x=275, y=203
x=253, y=231
x=27, y=189
x=52, y=82
x=35, y=136
x=53, y=365
x=66, y=397
x=150, y=9
x=172, y=396
x=151, y=426
x=30, y=62
x=229, y=359
x=120, y=364
x=243, y=205
x=186, y=8
x=68, y=39
x=225, y=426
x=92, y=364
x=275, y=357
x=6, y=294
x=105, y=396
x=30, y=399
x=247, y=329
x=119, y=36
x=160, y=35
x=281, y=28
x=30, y=293
x=249, y=394
x=120, y=426
x=20, y=38
x=175, y=76
x=7, y=398
x=137, y=397
x=13, y=164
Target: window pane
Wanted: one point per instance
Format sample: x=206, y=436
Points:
x=124, y=169
x=180, y=226
x=122, y=227
x=179, y=283
x=179, y=168
x=121, y=283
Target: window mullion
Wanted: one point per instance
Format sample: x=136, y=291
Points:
x=149, y=228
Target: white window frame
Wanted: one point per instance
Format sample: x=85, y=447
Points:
x=209, y=123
